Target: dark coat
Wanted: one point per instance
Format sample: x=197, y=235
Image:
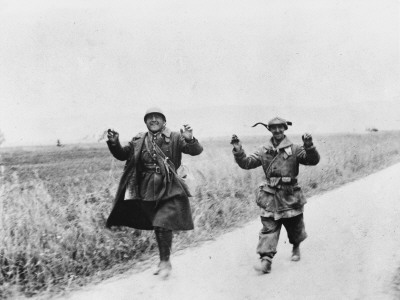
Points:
x=122, y=213
x=280, y=192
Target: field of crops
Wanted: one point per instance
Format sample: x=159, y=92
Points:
x=55, y=200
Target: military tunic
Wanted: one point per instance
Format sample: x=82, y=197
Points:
x=279, y=196
x=152, y=186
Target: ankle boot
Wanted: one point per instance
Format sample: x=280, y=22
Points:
x=165, y=268
x=296, y=252
x=164, y=241
x=264, y=265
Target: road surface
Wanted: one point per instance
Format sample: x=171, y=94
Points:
x=352, y=252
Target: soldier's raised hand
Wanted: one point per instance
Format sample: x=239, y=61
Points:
x=187, y=132
x=307, y=140
x=112, y=136
x=235, y=142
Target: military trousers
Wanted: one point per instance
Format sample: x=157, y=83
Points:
x=269, y=234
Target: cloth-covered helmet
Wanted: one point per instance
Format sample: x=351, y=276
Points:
x=154, y=110
x=275, y=121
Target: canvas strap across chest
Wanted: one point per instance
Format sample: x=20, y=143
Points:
x=282, y=157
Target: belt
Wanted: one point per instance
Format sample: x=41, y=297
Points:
x=284, y=180
x=151, y=169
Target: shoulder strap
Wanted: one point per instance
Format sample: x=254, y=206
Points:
x=167, y=162
x=270, y=164
x=146, y=143
x=170, y=167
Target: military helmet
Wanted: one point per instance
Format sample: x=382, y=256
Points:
x=154, y=110
x=275, y=121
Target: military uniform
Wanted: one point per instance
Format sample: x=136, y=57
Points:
x=150, y=196
x=145, y=197
x=280, y=197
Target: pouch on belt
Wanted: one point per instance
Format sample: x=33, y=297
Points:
x=265, y=197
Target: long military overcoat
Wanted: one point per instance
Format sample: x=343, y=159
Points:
x=123, y=211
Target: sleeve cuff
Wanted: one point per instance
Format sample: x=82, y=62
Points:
x=192, y=141
x=238, y=153
x=312, y=147
x=111, y=144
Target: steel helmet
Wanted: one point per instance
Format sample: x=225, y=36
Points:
x=154, y=110
x=275, y=121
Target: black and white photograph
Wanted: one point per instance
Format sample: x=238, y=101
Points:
x=183, y=149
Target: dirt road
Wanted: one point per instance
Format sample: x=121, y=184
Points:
x=352, y=252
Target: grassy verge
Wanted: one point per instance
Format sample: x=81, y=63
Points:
x=54, y=203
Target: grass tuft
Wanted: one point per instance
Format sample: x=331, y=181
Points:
x=54, y=203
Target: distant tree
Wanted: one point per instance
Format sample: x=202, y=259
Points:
x=372, y=129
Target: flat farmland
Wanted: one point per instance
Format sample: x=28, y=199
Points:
x=55, y=201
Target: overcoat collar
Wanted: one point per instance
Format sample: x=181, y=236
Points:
x=283, y=144
x=139, y=139
x=165, y=132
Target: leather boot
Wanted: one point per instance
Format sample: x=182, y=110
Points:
x=164, y=241
x=165, y=268
x=296, y=252
x=264, y=265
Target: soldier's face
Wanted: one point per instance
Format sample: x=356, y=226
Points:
x=154, y=122
x=278, y=131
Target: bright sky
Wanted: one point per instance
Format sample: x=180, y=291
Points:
x=70, y=69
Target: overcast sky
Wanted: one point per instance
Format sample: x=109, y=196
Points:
x=69, y=69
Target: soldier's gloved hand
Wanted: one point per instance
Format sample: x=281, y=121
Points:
x=112, y=136
x=235, y=142
x=307, y=140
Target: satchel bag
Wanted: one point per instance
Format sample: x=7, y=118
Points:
x=265, y=197
x=265, y=194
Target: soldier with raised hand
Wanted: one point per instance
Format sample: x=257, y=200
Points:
x=151, y=195
x=279, y=196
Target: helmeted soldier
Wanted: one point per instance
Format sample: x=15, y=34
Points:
x=150, y=195
x=279, y=197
